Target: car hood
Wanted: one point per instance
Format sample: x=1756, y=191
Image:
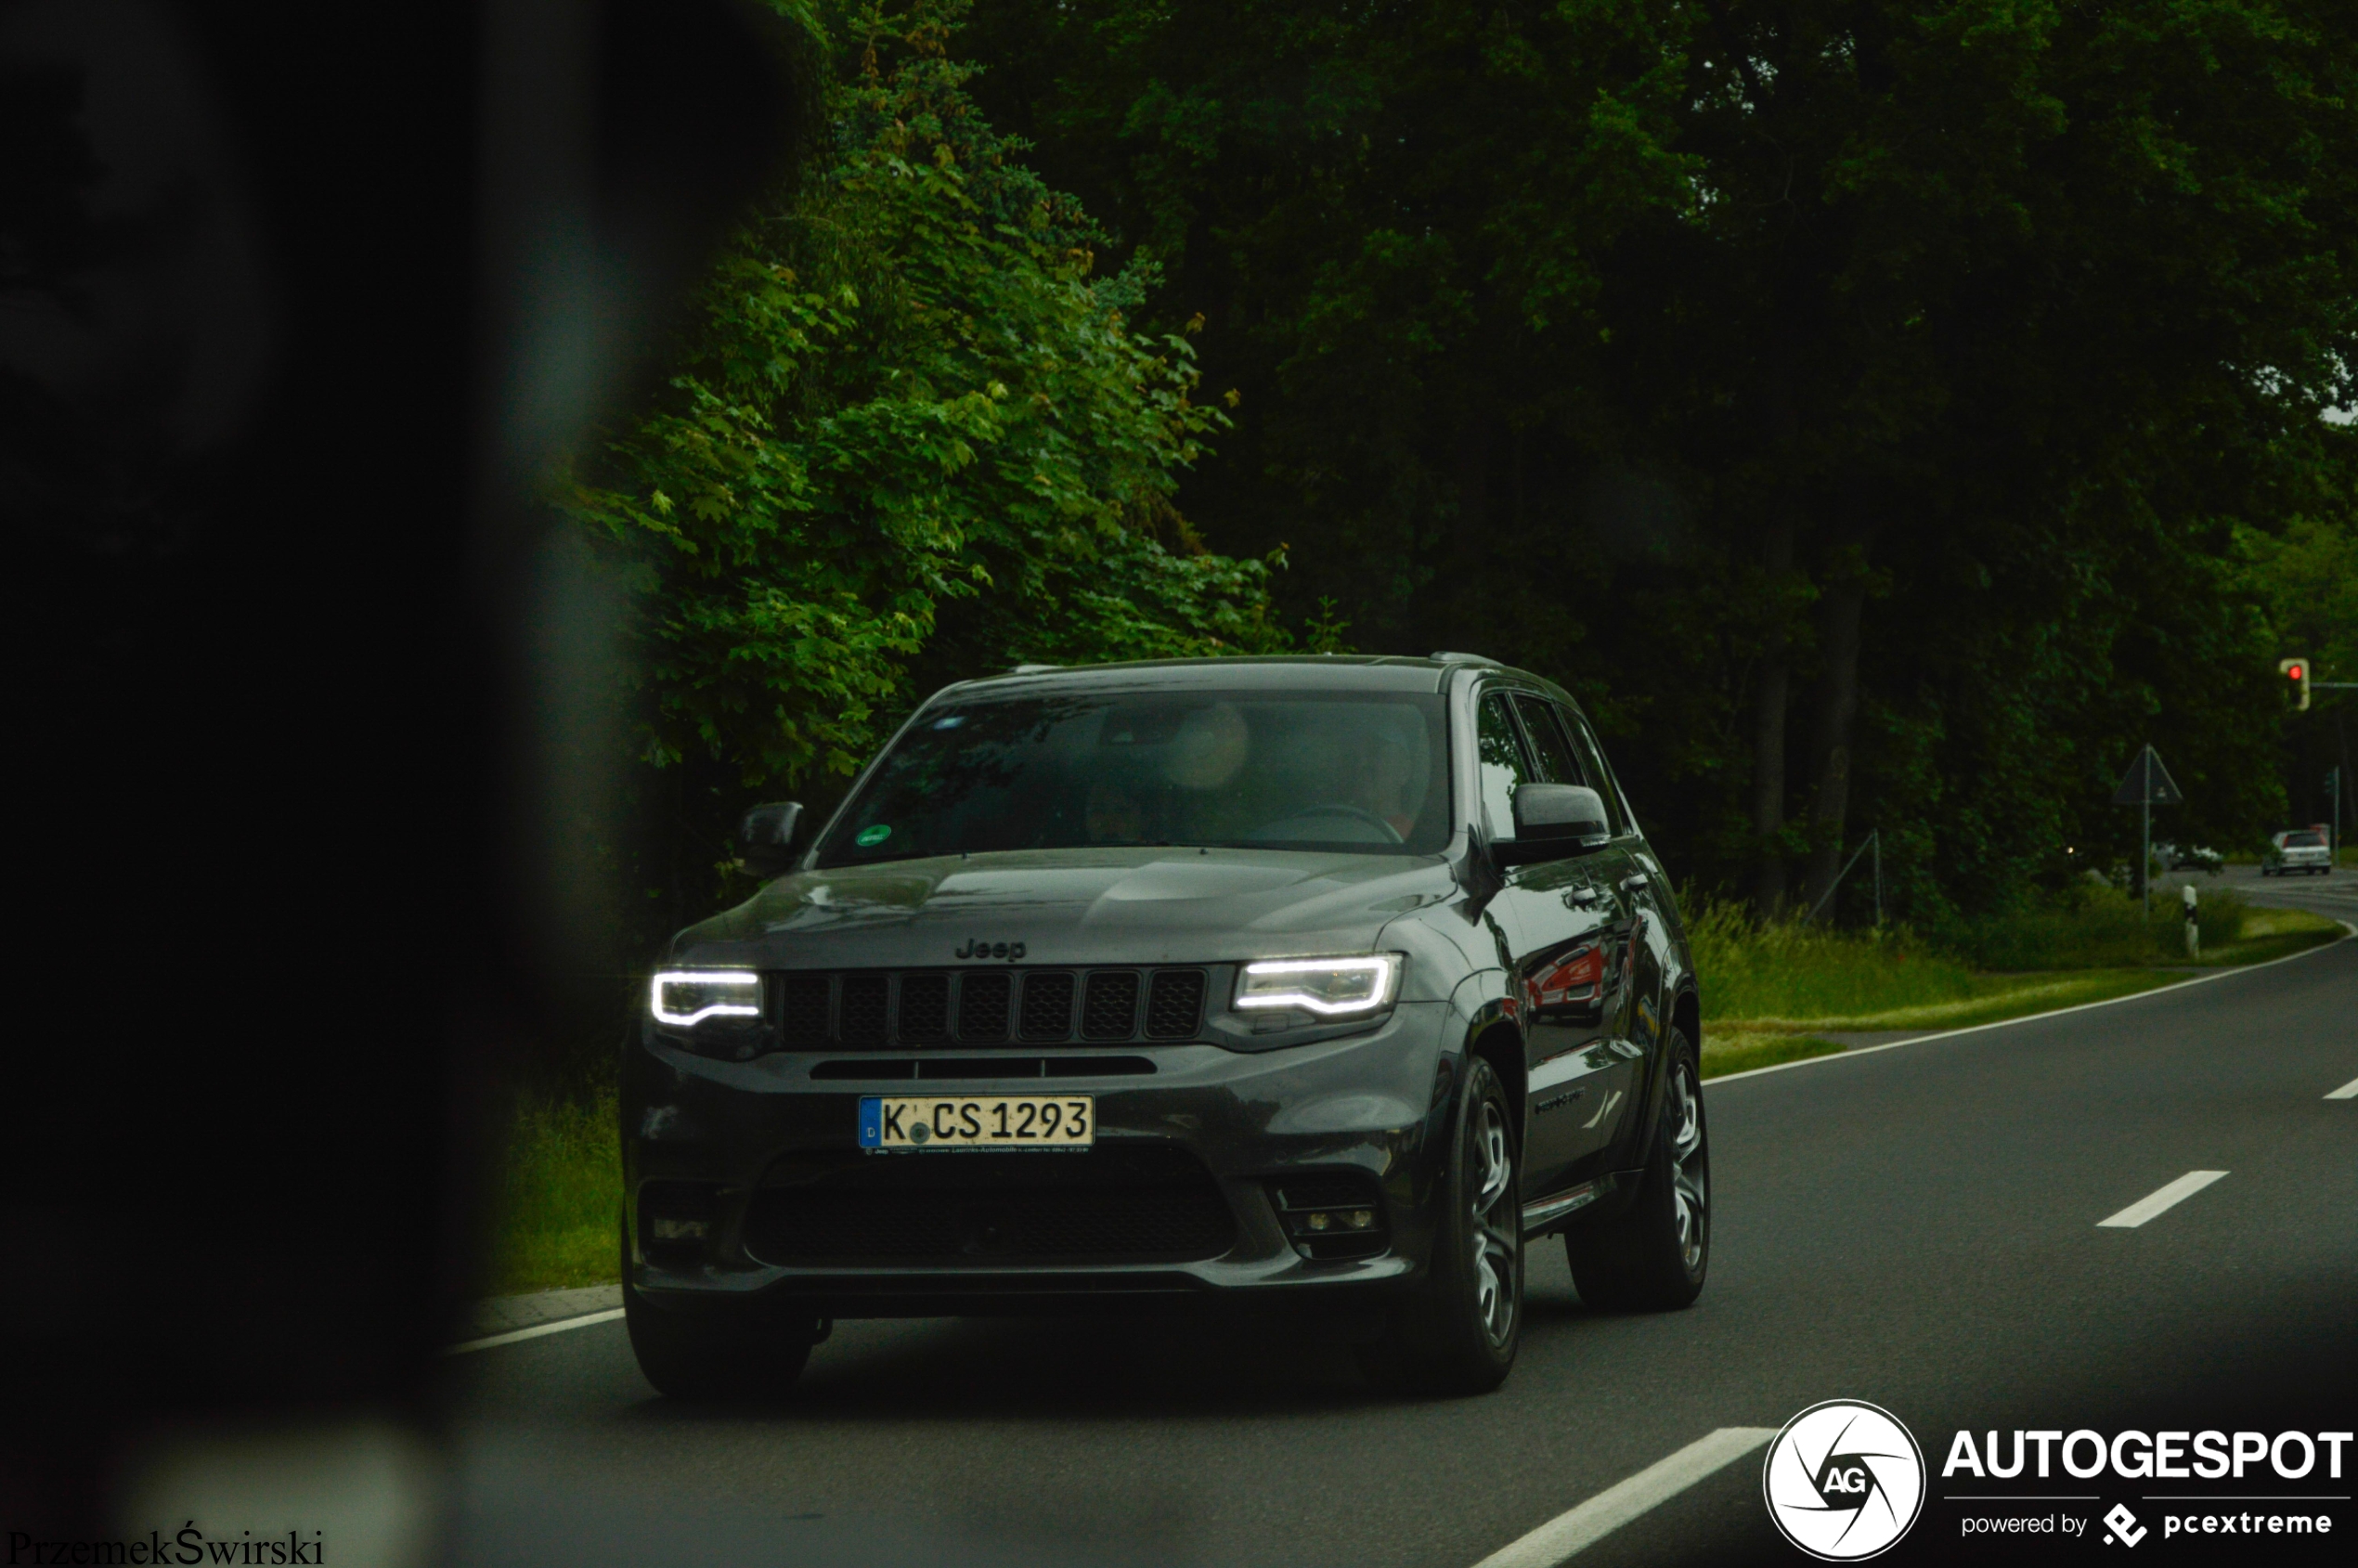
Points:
x=1072, y=907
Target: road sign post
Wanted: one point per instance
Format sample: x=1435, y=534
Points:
x=2145, y=785
x=1873, y=842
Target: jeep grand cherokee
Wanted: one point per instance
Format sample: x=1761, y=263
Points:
x=1319, y=982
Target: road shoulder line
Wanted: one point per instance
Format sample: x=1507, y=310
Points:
x=1615, y=1505
x=519, y=1335
x=2348, y=931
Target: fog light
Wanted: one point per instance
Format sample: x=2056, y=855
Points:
x=669, y=1229
x=1319, y=1221
x=1360, y=1219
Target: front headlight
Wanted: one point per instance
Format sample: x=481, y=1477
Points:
x=685, y=997
x=1332, y=988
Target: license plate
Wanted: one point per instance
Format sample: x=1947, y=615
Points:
x=970, y=1121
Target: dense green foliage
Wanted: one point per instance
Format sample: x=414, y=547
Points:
x=1858, y=403
x=909, y=439
x=1883, y=416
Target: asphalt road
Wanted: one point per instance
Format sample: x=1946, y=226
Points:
x=1917, y=1227
x=2336, y=894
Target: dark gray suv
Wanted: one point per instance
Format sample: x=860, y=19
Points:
x=1319, y=983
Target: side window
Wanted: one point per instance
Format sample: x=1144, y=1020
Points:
x=1500, y=762
x=1593, y=759
x=1555, y=758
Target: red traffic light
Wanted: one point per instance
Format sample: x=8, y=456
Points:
x=2295, y=673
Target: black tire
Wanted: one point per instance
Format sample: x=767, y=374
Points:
x=1653, y=1255
x=709, y=1358
x=1459, y=1334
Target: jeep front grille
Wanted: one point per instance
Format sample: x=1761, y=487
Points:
x=878, y=1009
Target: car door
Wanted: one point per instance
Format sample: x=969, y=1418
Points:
x=1579, y=996
x=1640, y=941
x=1556, y=914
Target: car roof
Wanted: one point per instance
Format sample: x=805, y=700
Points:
x=1265, y=672
x=1274, y=672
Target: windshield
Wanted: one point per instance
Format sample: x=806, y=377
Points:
x=1365, y=772
x=2305, y=841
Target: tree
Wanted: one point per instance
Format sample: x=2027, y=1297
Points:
x=1853, y=401
x=909, y=439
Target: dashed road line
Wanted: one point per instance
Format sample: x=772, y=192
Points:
x=1615, y=1505
x=2161, y=1200
x=2347, y=1092
x=514, y=1336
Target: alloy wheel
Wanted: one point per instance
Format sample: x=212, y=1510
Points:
x=1495, y=1231
x=1690, y=1168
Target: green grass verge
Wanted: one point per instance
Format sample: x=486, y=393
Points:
x=1992, y=999
x=2272, y=933
x=560, y=1191
x=1741, y=1050
x=1947, y=995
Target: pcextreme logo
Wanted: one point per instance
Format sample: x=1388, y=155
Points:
x=1844, y=1480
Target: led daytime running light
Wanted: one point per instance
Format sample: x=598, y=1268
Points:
x=1382, y=971
x=742, y=979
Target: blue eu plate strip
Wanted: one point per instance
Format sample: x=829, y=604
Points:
x=871, y=1121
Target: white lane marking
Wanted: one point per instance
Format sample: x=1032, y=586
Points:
x=2347, y=1092
x=2348, y=930
x=2162, y=1198
x=1617, y=1505
x=532, y=1333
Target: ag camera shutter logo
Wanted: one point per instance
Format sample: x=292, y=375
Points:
x=1844, y=1480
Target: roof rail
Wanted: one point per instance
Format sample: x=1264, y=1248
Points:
x=1034, y=669
x=1466, y=658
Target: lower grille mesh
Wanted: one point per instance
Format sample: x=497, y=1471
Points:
x=863, y=1010
x=1109, y=1205
x=804, y=1003
x=1047, y=1006
x=1174, y=1003
x=982, y=1007
x=1110, y=1008
x=925, y=1008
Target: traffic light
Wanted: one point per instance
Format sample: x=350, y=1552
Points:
x=2295, y=674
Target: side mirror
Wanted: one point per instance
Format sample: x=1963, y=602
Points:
x=766, y=838
x=1553, y=822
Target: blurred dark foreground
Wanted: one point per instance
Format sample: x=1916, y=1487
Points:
x=295, y=303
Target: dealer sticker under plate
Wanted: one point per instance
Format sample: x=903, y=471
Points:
x=977, y=1121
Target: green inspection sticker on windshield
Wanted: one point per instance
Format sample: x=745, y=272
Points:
x=871, y=836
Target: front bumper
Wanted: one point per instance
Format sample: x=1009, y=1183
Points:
x=1366, y=1108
